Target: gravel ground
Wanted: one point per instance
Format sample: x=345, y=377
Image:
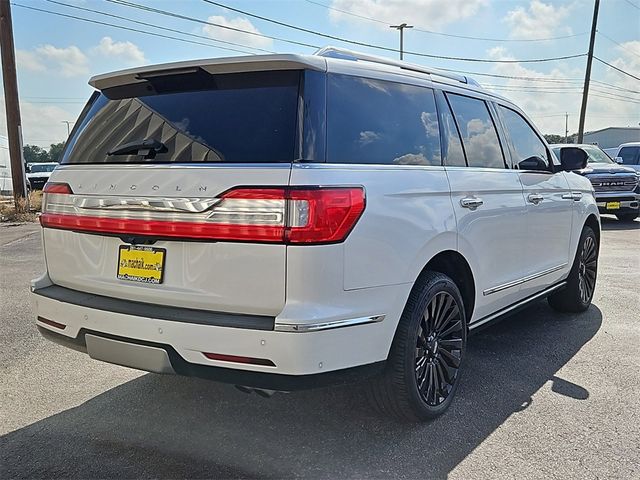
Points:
x=543, y=395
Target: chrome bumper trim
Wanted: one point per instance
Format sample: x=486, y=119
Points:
x=520, y=281
x=314, y=327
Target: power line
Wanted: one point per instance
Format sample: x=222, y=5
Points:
x=423, y=30
x=97, y=22
x=205, y=22
x=616, y=68
x=159, y=27
x=380, y=47
x=617, y=43
x=632, y=4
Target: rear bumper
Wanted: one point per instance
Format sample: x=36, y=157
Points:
x=297, y=359
x=169, y=361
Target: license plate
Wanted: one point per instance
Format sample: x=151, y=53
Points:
x=613, y=205
x=141, y=264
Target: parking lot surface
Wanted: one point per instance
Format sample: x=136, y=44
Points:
x=542, y=395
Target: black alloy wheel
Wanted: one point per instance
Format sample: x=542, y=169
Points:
x=423, y=367
x=588, y=269
x=438, y=349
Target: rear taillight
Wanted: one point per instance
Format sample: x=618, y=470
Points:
x=292, y=215
x=53, y=187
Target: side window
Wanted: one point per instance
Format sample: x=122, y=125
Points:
x=379, y=122
x=629, y=155
x=478, y=132
x=452, y=152
x=525, y=142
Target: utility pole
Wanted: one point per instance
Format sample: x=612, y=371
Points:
x=566, y=128
x=587, y=76
x=68, y=126
x=14, y=128
x=401, y=27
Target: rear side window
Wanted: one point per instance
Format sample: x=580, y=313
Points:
x=379, y=122
x=240, y=117
x=629, y=155
x=478, y=132
x=526, y=143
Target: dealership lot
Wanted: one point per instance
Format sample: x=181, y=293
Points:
x=542, y=395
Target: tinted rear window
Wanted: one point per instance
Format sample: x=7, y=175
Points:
x=379, y=122
x=249, y=117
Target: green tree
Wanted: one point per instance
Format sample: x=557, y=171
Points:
x=554, y=138
x=35, y=154
x=55, y=152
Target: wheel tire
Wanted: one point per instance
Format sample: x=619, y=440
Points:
x=627, y=217
x=416, y=354
x=576, y=296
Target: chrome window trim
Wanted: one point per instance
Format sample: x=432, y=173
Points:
x=522, y=280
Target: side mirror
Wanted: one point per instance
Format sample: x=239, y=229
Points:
x=27, y=169
x=533, y=163
x=619, y=160
x=573, y=158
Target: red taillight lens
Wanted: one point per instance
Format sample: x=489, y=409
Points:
x=294, y=215
x=53, y=187
x=323, y=215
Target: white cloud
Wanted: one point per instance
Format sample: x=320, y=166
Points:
x=560, y=91
x=126, y=51
x=540, y=20
x=29, y=61
x=68, y=62
x=424, y=13
x=41, y=124
x=228, y=35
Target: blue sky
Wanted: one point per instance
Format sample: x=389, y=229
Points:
x=57, y=55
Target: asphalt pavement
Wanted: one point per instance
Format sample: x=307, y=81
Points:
x=542, y=395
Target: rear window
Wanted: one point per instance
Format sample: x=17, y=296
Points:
x=379, y=122
x=246, y=117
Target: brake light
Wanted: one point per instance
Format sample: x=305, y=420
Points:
x=292, y=215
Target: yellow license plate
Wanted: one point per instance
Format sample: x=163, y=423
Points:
x=141, y=264
x=613, y=206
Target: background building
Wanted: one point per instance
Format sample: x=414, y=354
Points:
x=6, y=187
x=611, y=137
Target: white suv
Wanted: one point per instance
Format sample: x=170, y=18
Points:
x=282, y=222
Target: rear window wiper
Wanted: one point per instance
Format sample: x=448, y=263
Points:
x=148, y=148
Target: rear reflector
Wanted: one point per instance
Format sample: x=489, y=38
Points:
x=291, y=215
x=46, y=321
x=237, y=359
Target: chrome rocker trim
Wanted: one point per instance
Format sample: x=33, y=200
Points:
x=522, y=280
x=515, y=306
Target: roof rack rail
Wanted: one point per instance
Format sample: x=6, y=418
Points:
x=345, y=54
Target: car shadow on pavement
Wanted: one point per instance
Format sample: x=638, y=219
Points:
x=174, y=427
x=612, y=223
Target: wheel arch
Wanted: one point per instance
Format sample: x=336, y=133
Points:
x=594, y=224
x=456, y=267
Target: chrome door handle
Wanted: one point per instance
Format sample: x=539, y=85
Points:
x=535, y=198
x=471, y=203
x=575, y=196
